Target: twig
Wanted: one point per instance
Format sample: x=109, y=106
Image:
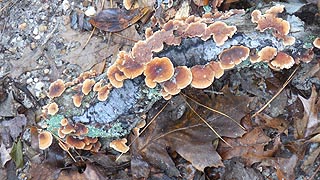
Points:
x=315, y=173
x=280, y=90
x=91, y=34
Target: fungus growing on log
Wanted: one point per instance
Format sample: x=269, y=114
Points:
x=202, y=76
x=80, y=129
x=220, y=32
x=75, y=142
x=53, y=108
x=77, y=99
x=104, y=91
x=64, y=122
x=266, y=54
x=233, y=56
x=195, y=29
x=216, y=67
x=115, y=76
x=316, y=43
x=120, y=145
x=130, y=67
x=56, y=89
x=141, y=52
x=45, y=139
x=87, y=86
x=158, y=70
x=270, y=20
x=182, y=78
x=282, y=60
x=68, y=129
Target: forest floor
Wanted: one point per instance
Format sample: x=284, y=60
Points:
x=211, y=133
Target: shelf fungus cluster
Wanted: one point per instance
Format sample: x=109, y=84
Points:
x=70, y=136
x=160, y=70
x=269, y=20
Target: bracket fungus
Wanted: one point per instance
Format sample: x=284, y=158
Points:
x=53, y=108
x=87, y=86
x=266, y=54
x=220, y=32
x=202, y=76
x=75, y=142
x=120, y=145
x=56, y=88
x=233, y=56
x=45, y=139
x=158, y=70
x=115, y=76
x=282, y=60
x=269, y=20
x=316, y=43
x=182, y=78
x=103, y=92
x=130, y=67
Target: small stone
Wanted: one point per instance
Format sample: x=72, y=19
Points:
x=33, y=45
x=35, y=80
x=22, y=26
x=37, y=37
x=46, y=71
x=43, y=28
x=35, y=31
x=29, y=81
x=90, y=11
x=13, y=49
x=65, y=5
x=39, y=86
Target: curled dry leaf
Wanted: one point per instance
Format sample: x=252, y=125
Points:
x=115, y=19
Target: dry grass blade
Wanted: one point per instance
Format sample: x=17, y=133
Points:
x=85, y=44
x=154, y=118
x=213, y=110
x=280, y=90
x=63, y=146
x=204, y=121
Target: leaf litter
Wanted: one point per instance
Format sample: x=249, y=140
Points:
x=179, y=129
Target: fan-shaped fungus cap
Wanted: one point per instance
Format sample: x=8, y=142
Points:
x=68, y=129
x=233, y=56
x=45, y=139
x=88, y=147
x=274, y=10
x=89, y=140
x=267, y=54
x=202, y=76
x=64, y=122
x=98, y=86
x=75, y=142
x=141, y=52
x=80, y=129
x=87, y=85
x=103, y=94
x=113, y=74
x=60, y=133
x=183, y=76
x=282, y=60
x=56, y=89
x=220, y=32
x=120, y=145
x=316, y=43
x=255, y=16
x=195, y=29
x=268, y=21
x=129, y=66
x=171, y=87
x=53, y=108
x=216, y=67
x=158, y=70
x=77, y=98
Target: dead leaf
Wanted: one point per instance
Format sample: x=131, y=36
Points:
x=304, y=127
x=15, y=125
x=284, y=166
x=116, y=19
x=235, y=169
x=178, y=129
x=4, y=155
x=250, y=147
x=280, y=124
x=97, y=49
x=310, y=160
